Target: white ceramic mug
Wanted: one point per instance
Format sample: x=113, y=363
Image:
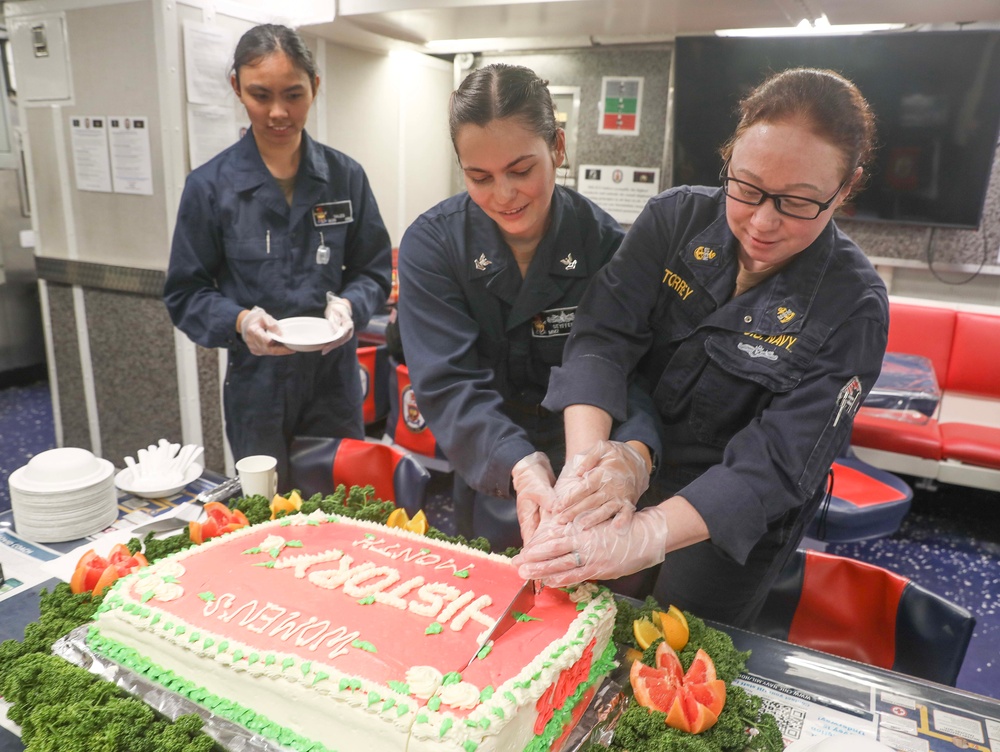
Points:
x=258, y=475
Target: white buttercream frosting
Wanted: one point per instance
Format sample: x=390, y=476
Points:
x=464, y=695
x=424, y=681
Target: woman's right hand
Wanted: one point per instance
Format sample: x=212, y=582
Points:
x=533, y=480
x=604, y=482
x=256, y=327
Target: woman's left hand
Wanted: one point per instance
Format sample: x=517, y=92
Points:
x=603, y=482
x=568, y=554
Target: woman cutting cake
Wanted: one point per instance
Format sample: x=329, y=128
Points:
x=758, y=327
x=489, y=281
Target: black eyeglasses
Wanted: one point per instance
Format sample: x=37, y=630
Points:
x=798, y=207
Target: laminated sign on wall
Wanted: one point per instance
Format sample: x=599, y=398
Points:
x=621, y=105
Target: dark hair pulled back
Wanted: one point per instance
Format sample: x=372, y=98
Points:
x=266, y=39
x=501, y=91
x=830, y=105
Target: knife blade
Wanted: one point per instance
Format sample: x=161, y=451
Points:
x=521, y=603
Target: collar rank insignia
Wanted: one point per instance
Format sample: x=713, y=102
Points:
x=482, y=262
x=701, y=253
x=569, y=262
x=784, y=314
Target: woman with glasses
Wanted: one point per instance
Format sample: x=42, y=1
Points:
x=757, y=327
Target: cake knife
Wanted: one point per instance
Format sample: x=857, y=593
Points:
x=521, y=603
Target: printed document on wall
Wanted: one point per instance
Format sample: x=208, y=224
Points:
x=131, y=166
x=89, y=138
x=208, y=54
x=211, y=128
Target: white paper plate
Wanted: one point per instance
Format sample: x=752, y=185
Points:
x=306, y=333
x=129, y=485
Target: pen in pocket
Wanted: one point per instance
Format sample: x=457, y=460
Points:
x=268, y=239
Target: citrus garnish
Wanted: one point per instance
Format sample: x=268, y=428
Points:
x=398, y=518
x=418, y=524
x=288, y=505
x=674, y=627
x=645, y=633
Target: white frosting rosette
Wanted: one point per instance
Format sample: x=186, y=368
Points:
x=159, y=581
x=463, y=695
x=424, y=681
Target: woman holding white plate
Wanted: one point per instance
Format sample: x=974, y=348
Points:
x=274, y=227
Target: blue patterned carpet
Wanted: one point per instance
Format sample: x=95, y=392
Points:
x=950, y=542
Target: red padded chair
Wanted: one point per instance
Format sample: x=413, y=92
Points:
x=319, y=465
x=869, y=614
x=405, y=426
x=866, y=503
x=373, y=363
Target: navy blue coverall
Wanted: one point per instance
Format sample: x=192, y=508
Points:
x=238, y=244
x=756, y=393
x=480, y=342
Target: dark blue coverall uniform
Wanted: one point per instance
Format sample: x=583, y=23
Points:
x=480, y=342
x=757, y=393
x=238, y=244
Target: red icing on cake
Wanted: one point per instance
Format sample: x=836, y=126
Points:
x=227, y=592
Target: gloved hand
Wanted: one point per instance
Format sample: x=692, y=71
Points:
x=338, y=313
x=567, y=554
x=604, y=482
x=533, y=480
x=256, y=328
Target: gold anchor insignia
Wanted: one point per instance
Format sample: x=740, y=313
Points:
x=482, y=262
x=569, y=262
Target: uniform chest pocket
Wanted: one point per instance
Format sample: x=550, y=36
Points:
x=262, y=246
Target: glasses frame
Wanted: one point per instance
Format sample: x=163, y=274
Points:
x=822, y=206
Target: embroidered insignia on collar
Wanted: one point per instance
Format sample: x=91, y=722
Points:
x=482, y=262
x=785, y=314
x=569, y=262
x=701, y=253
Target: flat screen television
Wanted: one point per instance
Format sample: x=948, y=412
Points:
x=936, y=98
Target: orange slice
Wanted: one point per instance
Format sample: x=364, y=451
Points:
x=398, y=518
x=645, y=633
x=418, y=524
x=674, y=627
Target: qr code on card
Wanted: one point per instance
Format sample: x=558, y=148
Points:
x=790, y=719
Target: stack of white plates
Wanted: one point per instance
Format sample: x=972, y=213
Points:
x=63, y=494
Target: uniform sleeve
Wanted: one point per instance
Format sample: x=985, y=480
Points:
x=368, y=259
x=779, y=461
x=454, y=391
x=611, y=331
x=194, y=303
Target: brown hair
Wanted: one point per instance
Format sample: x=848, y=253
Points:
x=501, y=91
x=266, y=39
x=829, y=104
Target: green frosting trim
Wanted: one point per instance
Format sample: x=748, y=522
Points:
x=425, y=550
x=284, y=522
x=275, y=552
x=369, y=536
x=463, y=573
x=237, y=655
x=484, y=651
x=470, y=746
x=581, y=606
x=397, y=686
x=434, y=703
x=508, y=695
x=388, y=704
x=433, y=628
x=367, y=600
x=373, y=697
x=446, y=724
x=254, y=550
x=484, y=723
x=306, y=668
x=265, y=564
x=170, y=579
x=452, y=677
x=253, y=658
x=207, y=596
x=270, y=659
x=320, y=676
x=364, y=645
x=223, y=646
x=181, y=629
x=421, y=717
x=155, y=619
x=344, y=684
x=498, y=712
x=147, y=596
x=486, y=693
x=294, y=544
x=402, y=709
x=287, y=663
x=525, y=617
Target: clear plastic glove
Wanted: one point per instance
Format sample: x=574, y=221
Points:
x=338, y=313
x=256, y=329
x=533, y=481
x=604, y=482
x=566, y=554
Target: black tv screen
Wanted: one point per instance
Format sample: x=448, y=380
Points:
x=936, y=98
